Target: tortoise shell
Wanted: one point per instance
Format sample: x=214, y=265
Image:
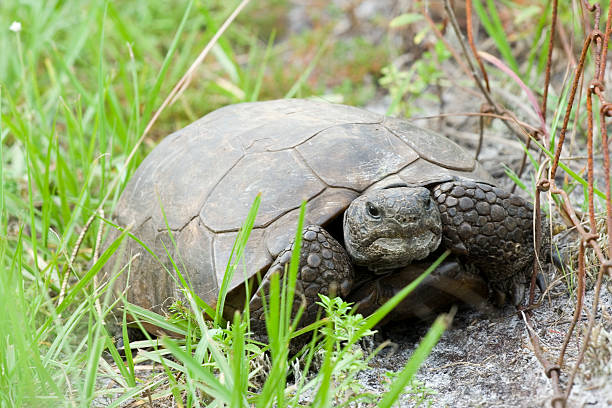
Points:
x=206, y=176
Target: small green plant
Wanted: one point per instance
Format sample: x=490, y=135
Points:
x=416, y=81
x=222, y=364
x=416, y=391
x=80, y=82
x=344, y=324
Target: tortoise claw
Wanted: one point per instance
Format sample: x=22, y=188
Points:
x=366, y=301
x=541, y=282
x=556, y=260
x=519, y=289
x=518, y=293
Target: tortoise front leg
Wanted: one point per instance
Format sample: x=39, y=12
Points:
x=324, y=268
x=491, y=229
x=449, y=284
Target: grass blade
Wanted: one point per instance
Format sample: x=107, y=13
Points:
x=495, y=29
x=418, y=357
x=210, y=384
x=236, y=256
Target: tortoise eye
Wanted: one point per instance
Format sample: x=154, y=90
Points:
x=373, y=211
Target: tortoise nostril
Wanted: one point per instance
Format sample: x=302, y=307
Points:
x=430, y=203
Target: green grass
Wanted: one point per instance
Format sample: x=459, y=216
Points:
x=492, y=23
x=82, y=81
x=78, y=85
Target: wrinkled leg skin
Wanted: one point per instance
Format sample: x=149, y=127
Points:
x=324, y=268
x=452, y=282
x=492, y=229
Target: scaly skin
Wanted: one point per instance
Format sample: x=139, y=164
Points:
x=390, y=228
x=387, y=230
x=324, y=268
x=452, y=282
x=491, y=229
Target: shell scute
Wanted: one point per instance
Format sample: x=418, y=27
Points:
x=206, y=176
x=281, y=178
x=355, y=156
x=431, y=146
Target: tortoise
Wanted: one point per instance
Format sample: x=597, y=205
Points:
x=402, y=192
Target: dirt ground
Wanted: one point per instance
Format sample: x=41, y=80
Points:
x=486, y=358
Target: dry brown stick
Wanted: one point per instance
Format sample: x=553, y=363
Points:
x=537, y=240
x=487, y=95
x=551, y=43
x=579, y=303
x=450, y=49
x=596, y=10
x=605, y=111
x=186, y=79
x=551, y=370
x=576, y=121
x=567, y=46
x=570, y=104
x=455, y=25
x=470, y=34
x=590, y=176
x=604, y=49
x=483, y=114
x=587, y=337
x=184, y=82
x=480, y=136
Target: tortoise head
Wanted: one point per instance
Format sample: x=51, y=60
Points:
x=389, y=228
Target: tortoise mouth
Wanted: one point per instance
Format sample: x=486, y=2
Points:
x=398, y=252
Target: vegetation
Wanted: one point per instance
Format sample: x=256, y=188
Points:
x=83, y=80
x=80, y=81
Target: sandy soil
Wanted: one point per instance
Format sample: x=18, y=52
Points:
x=486, y=359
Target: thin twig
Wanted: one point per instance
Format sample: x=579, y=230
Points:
x=181, y=85
x=551, y=44
x=470, y=34
x=69, y=267
x=184, y=82
x=579, y=304
x=95, y=259
x=499, y=110
x=570, y=104
x=482, y=114
x=441, y=37
x=551, y=370
x=477, y=79
x=480, y=137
